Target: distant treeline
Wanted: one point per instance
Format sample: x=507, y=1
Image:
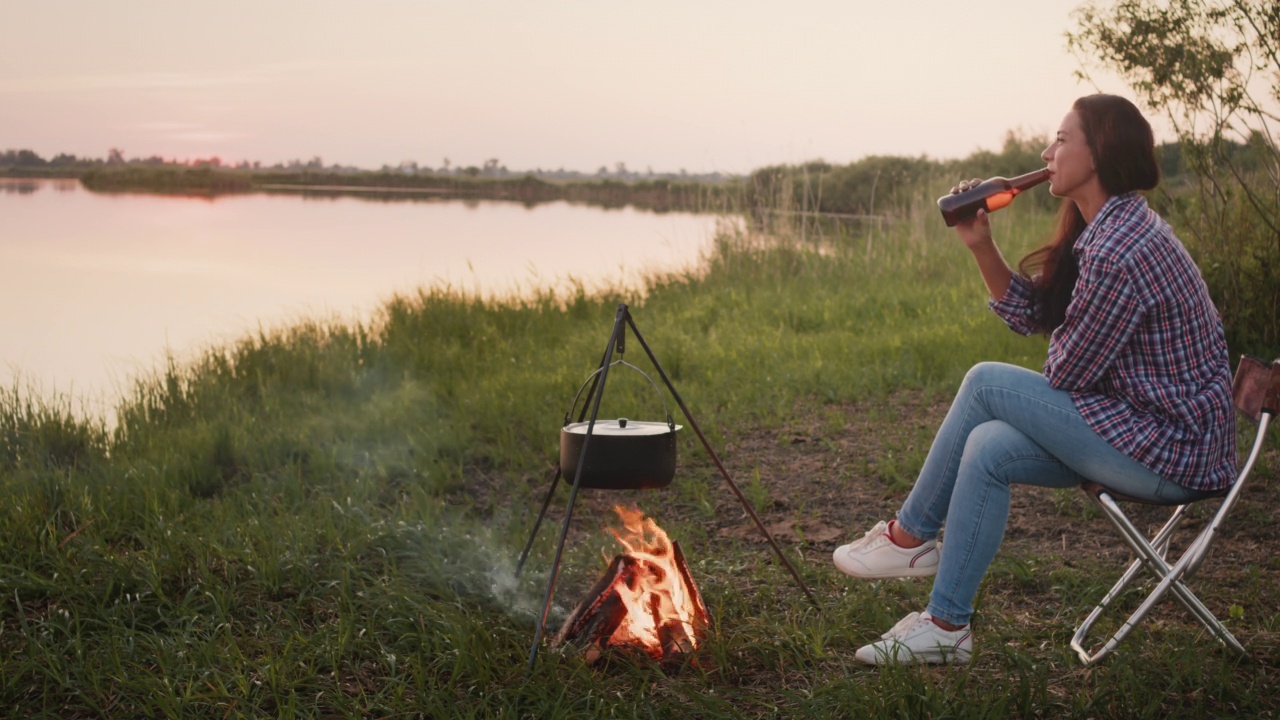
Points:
x=659, y=192
x=656, y=195
x=880, y=186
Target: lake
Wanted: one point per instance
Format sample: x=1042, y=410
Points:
x=100, y=288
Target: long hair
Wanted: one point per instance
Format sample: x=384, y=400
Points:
x=1124, y=154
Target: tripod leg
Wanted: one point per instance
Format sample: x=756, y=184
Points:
x=577, y=479
x=546, y=502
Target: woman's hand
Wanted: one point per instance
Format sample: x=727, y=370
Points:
x=975, y=232
x=976, y=235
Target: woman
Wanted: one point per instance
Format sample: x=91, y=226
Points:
x=1135, y=393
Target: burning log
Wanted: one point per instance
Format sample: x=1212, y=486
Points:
x=601, y=612
x=646, y=600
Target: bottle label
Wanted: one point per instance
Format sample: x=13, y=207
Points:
x=999, y=200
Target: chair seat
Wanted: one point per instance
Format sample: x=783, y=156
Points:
x=1096, y=489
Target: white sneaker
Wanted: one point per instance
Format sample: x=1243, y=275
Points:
x=917, y=639
x=877, y=556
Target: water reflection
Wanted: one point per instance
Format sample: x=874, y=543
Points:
x=97, y=288
x=20, y=187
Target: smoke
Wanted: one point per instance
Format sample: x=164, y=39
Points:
x=479, y=565
x=521, y=596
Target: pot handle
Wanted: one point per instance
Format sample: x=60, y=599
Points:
x=671, y=423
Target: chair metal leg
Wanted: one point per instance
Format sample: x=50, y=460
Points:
x=1077, y=640
x=1151, y=555
x=1206, y=618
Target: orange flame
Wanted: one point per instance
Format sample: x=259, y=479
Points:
x=656, y=595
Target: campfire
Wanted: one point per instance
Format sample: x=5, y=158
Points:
x=646, y=599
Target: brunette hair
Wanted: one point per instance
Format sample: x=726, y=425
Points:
x=1124, y=154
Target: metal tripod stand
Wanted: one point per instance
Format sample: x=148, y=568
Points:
x=617, y=340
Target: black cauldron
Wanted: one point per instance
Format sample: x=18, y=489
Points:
x=622, y=455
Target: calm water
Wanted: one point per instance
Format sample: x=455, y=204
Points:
x=96, y=289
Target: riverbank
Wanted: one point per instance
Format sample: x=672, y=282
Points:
x=324, y=520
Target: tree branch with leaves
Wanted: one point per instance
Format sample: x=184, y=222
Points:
x=1212, y=68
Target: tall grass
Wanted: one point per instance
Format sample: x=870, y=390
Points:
x=322, y=520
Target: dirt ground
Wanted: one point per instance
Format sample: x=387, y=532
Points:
x=833, y=471
x=827, y=486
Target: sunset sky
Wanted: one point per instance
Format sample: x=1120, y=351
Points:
x=702, y=85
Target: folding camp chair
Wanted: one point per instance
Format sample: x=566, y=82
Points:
x=1256, y=389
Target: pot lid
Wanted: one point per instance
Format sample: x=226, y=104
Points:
x=622, y=427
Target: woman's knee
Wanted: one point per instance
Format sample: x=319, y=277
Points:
x=994, y=445
x=992, y=441
x=984, y=374
x=1001, y=453
x=999, y=375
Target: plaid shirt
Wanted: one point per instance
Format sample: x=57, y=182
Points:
x=1142, y=350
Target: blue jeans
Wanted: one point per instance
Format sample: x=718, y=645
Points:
x=1006, y=425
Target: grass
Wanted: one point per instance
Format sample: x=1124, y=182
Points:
x=323, y=520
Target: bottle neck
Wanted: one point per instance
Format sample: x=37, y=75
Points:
x=1029, y=180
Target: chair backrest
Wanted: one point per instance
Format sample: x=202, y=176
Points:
x=1256, y=387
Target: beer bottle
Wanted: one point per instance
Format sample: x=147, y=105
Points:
x=989, y=195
